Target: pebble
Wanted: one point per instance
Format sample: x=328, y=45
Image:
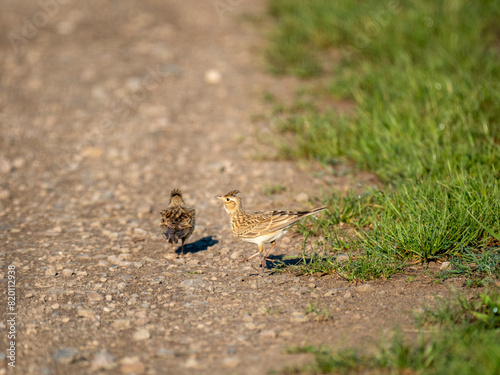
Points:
x=193, y=283
x=121, y=324
x=67, y=272
x=356, y=316
x=302, y=197
x=446, y=266
x=141, y=334
x=298, y=317
x=132, y=365
x=347, y=295
x=67, y=356
x=4, y=194
x=213, y=76
x=364, y=288
x=331, y=292
x=85, y=313
x=103, y=361
x=237, y=254
x=192, y=363
x=268, y=334
x=94, y=296
x=50, y=271
x=231, y=361
x=165, y=353
x=341, y=258
x=5, y=166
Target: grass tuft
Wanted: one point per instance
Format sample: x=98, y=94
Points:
x=424, y=77
x=463, y=337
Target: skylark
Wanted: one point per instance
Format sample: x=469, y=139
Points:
x=177, y=221
x=260, y=227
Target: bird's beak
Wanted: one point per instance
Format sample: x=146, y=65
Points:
x=218, y=197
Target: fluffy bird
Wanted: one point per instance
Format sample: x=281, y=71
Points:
x=177, y=221
x=260, y=227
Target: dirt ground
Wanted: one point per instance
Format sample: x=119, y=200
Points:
x=107, y=106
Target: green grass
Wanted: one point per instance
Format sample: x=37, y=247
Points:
x=462, y=336
x=273, y=189
x=425, y=80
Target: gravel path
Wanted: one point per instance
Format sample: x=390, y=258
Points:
x=104, y=111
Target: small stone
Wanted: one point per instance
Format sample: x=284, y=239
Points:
x=341, y=258
x=121, y=324
x=92, y=152
x=4, y=194
x=302, y=197
x=140, y=233
x=364, y=288
x=94, y=296
x=356, y=316
x=298, y=317
x=231, y=362
x=446, y=266
x=5, y=166
x=193, y=283
x=54, y=306
x=85, y=313
x=268, y=334
x=50, y=271
x=213, y=76
x=132, y=365
x=165, y=353
x=67, y=356
x=347, y=295
x=103, y=361
x=192, y=363
x=141, y=334
x=170, y=256
x=331, y=292
x=67, y=272
x=133, y=83
x=18, y=162
x=237, y=254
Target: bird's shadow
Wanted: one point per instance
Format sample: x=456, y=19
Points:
x=279, y=261
x=199, y=245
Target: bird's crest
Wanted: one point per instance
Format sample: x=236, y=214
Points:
x=175, y=192
x=232, y=193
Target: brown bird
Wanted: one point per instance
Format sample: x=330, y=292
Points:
x=177, y=221
x=260, y=227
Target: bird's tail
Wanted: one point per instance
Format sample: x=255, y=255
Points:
x=316, y=210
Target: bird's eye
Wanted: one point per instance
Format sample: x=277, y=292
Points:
x=227, y=199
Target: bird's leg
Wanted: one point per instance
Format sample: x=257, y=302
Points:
x=182, y=247
x=171, y=247
x=261, y=249
x=267, y=254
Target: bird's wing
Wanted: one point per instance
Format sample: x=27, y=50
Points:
x=178, y=218
x=258, y=223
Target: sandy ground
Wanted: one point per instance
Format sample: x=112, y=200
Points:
x=106, y=107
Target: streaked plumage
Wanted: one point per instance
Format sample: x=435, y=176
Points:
x=260, y=227
x=177, y=221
